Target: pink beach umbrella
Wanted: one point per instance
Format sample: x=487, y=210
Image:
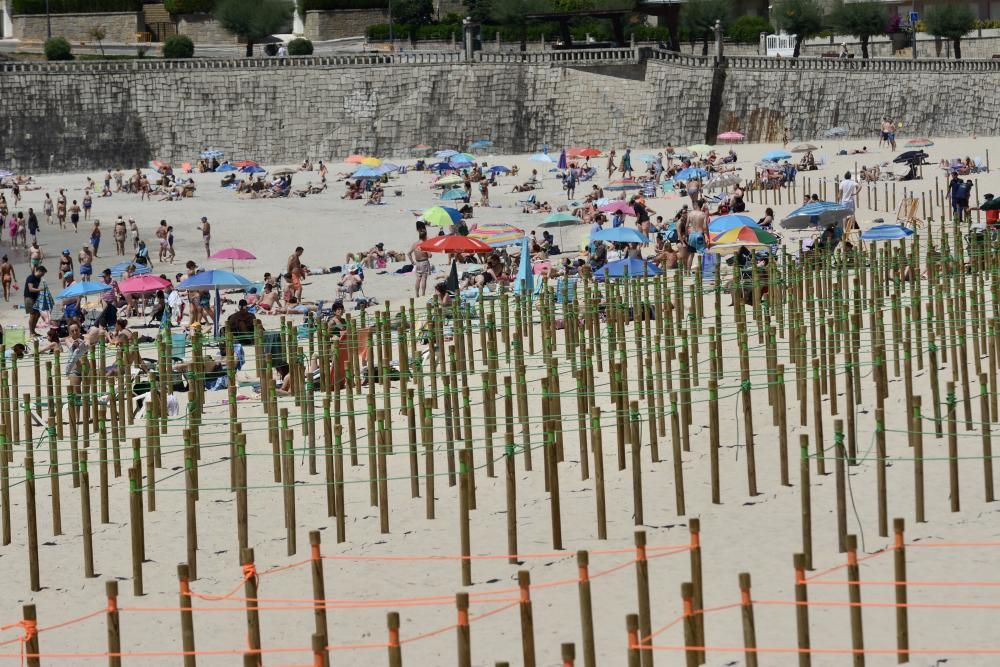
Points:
x=142, y=284
x=731, y=136
x=233, y=254
x=617, y=206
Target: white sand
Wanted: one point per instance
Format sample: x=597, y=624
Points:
x=756, y=535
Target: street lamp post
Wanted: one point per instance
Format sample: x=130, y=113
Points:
x=48, y=21
x=391, y=47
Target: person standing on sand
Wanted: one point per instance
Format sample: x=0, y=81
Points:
x=7, y=277
x=161, y=237
x=74, y=216
x=848, y=191
x=784, y=138
x=48, y=208
x=206, y=235
x=421, y=261
x=86, y=264
x=611, y=163
x=88, y=203
x=61, y=208
x=66, y=267
x=134, y=229
x=95, y=237
x=32, y=225
x=626, y=166
x=35, y=255
x=120, y=234
x=170, y=244
x=32, y=290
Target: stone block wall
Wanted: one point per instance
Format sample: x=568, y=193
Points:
x=334, y=24
x=120, y=26
x=204, y=29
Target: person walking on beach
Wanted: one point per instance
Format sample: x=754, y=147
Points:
x=421, y=261
x=95, y=237
x=88, y=203
x=611, y=163
x=161, y=237
x=120, y=234
x=134, y=229
x=48, y=208
x=7, y=276
x=848, y=191
x=32, y=225
x=784, y=138
x=66, y=267
x=32, y=291
x=206, y=235
x=74, y=216
x=626, y=165
x=86, y=259
x=61, y=208
x=570, y=183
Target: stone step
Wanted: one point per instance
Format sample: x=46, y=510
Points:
x=156, y=14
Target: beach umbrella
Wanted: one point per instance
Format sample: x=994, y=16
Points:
x=776, y=156
x=732, y=221
x=142, y=284
x=226, y=166
x=920, y=142
x=214, y=280
x=560, y=219
x=835, y=132
x=252, y=169
x=524, y=281
x=497, y=234
x=246, y=163
x=681, y=153
x=286, y=171
x=731, y=136
x=211, y=153
x=701, y=149
x=582, y=152
x=455, y=194
x=745, y=236
x=542, y=157
x=623, y=184
x=233, y=254
x=617, y=206
x=804, y=148
x=441, y=216
x=457, y=163
x=499, y=169
x=354, y=159
x=439, y=166
x=627, y=268
x=910, y=156
x=886, y=233
x=721, y=181
x=455, y=244
x=689, y=173
x=619, y=235
x=445, y=154
x=82, y=289
x=371, y=161
x=119, y=269
x=480, y=143
x=447, y=181
x=366, y=172
x=5, y=174
x=158, y=165
x=647, y=157
x=816, y=213
x=420, y=149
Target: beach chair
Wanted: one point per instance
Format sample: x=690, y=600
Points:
x=906, y=214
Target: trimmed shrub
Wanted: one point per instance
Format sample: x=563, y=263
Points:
x=300, y=46
x=747, y=29
x=178, y=46
x=75, y=6
x=57, y=48
x=324, y=5
x=189, y=6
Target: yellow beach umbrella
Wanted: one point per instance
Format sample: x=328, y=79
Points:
x=371, y=161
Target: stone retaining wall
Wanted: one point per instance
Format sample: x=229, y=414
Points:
x=119, y=27
x=322, y=25
x=203, y=29
x=96, y=115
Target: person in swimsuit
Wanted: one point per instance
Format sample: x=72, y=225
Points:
x=161, y=235
x=36, y=256
x=206, y=236
x=48, y=207
x=95, y=237
x=88, y=202
x=120, y=234
x=170, y=244
x=66, y=266
x=6, y=276
x=86, y=263
x=61, y=209
x=134, y=228
x=74, y=216
x=421, y=261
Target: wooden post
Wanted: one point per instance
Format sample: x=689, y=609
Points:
x=916, y=430
x=187, y=616
x=250, y=592
x=632, y=628
x=114, y=624
x=902, y=614
x=586, y=610
x=463, y=515
x=135, y=525
x=749, y=628
x=691, y=652
x=840, y=473
x=88, y=543
x=30, y=623
x=642, y=585
x=854, y=594
x=802, y=610
x=32, y=520
x=806, y=505
x=953, y=449
x=880, y=481
x=984, y=426
x=395, y=650
x=463, y=630
x=597, y=444
x=527, y=619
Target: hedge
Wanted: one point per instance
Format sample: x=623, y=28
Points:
x=189, y=6
x=300, y=46
x=178, y=46
x=444, y=31
x=75, y=6
x=326, y=5
x=57, y=48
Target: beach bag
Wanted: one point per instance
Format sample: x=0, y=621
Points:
x=671, y=234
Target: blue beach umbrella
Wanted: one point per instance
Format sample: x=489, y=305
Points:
x=726, y=222
x=689, y=173
x=211, y=153
x=499, y=169
x=776, y=156
x=620, y=235
x=445, y=154
x=82, y=289
x=228, y=166
x=480, y=143
x=455, y=194
x=119, y=269
x=886, y=233
x=816, y=213
x=524, y=282
x=631, y=268
x=366, y=172
x=253, y=169
x=215, y=280
x=542, y=157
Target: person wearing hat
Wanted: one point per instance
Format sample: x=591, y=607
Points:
x=206, y=235
x=351, y=281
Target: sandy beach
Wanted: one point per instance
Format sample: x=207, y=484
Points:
x=414, y=568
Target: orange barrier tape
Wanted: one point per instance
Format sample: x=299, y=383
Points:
x=834, y=651
x=827, y=582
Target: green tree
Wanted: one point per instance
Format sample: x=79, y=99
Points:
x=863, y=20
x=747, y=29
x=57, y=48
x=699, y=16
x=413, y=12
x=178, y=46
x=950, y=22
x=802, y=18
x=253, y=20
x=300, y=46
